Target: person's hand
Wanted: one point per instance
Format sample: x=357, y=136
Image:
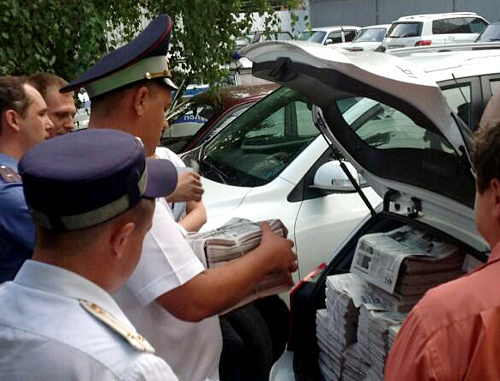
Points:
x=188, y=188
x=278, y=249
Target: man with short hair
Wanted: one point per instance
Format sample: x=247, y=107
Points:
x=61, y=107
x=92, y=210
x=171, y=298
x=23, y=124
x=453, y=332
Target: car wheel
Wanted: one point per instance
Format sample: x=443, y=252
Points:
x=256, y=351
x=277, y=316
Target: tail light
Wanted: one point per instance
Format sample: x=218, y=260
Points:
x=309, y=277
x=423, y=43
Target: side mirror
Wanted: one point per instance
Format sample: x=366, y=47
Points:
x=331, y=177
x=328, y=41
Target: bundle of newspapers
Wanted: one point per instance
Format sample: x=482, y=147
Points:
x=233, y=240
x=406, y=262
x=374, y=324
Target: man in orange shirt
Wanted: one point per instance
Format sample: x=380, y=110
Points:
x=453, y=333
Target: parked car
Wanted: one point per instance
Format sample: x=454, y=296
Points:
x=200, y=117
x=408, y=142
x=490, y=34
x=328, y=35
x=434, y=29
x=270, y=162
x=259, y=36
x=367, y=38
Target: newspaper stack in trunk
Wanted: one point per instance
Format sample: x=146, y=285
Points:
x=405, y=263
x=233, y=240
x=355, y=366
x=373, y=331
x=337, y=325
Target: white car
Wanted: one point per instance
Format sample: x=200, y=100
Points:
x=367, y=38
x=434, y=29
x=406, y=139
x=264, y=164
x=328, y=35
x=271, y=162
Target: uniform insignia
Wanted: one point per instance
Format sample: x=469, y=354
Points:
x=137, y=341
x=9, y=175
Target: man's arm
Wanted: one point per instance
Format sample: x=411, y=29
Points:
x=217, y=289
x=196, y=216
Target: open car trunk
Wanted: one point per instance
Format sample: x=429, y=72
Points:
x=311, y=296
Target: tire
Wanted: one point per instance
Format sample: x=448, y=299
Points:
x=277, y=316
x=257, y=349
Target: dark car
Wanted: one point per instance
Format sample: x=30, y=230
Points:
x=490, y=34
x=200, y=117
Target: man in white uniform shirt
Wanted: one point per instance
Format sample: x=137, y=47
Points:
x=91, y=211
x=170, y=296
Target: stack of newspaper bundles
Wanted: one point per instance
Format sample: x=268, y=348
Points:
x=365, y=308
x=233, y=240
x=405, y=263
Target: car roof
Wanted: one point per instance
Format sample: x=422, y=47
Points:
x=334, y=28
x=448, y=64
x=436, y=16
x=377, y=26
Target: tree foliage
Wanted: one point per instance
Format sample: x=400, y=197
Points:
x=66, y=37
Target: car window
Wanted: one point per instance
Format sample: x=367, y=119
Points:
x=405, y=29
x=305, y=35
x=459, y=99
x=317, y=37
x=370, y=35
x=494, y=85
x=336, y=37
x=477, y=25
x=257, y=146
x=349, y=35
x=490, y=33
x=383, y=127
x=458, y=25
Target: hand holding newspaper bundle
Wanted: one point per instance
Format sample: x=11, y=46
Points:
x=233, y=240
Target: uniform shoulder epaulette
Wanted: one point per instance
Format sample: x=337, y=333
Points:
x=9, y=175
x=137, y=341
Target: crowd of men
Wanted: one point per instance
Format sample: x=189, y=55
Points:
x=99, y=281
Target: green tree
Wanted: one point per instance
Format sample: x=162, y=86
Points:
x=66, y=37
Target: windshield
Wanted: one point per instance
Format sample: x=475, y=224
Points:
x=370, y=35
x=258, y=145
x=305, y=35
x=407, y=29
x=491, y=33
x=317, y=37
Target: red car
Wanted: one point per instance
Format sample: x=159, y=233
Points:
x=200, y=117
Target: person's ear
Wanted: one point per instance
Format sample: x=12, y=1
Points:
x=495, y=187
x=141, y=99
x=12, y=119
x=120, y=237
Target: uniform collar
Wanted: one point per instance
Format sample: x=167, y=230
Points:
x=57, y=280
x=8, y=160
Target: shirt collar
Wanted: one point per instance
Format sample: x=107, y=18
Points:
x=8, y=160
x=57, y=280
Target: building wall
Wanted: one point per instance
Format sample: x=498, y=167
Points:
x=368, y=12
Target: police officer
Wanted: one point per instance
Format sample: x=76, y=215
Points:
x=23, y=123
x=90, y=195
x=171, y=297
